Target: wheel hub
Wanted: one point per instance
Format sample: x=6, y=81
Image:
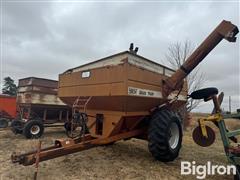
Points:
x=35, y=129
x=174, y=135
x=200, y=139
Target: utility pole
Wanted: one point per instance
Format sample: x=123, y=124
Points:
x=229, y=102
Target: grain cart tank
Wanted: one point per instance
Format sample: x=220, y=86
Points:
x=38, y=107
x=125, y=96
x=120, y=89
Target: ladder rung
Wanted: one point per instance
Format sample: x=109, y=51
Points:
x=79, y=105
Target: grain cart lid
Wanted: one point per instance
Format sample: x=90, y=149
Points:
x=38, y=84
x=120, y=58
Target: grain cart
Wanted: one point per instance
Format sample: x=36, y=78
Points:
x=125, y=96
x=38, y=107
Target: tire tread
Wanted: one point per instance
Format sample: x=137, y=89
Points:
x=158, y=135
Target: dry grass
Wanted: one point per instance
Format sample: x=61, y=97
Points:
x=123, y=160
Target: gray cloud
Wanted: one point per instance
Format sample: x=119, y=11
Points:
x=45, y=39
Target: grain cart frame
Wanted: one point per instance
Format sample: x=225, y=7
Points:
x=158, y=123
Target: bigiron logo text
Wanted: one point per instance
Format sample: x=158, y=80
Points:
x=201, y=171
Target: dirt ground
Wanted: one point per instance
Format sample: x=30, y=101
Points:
x=123, y=160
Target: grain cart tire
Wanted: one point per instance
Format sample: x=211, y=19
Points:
x=165, y=135
x=3, y=122
x=33, y=129
x=17, y=126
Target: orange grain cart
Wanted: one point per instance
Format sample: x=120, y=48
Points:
x=127, y=96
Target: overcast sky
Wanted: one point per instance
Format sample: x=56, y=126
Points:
x=44, y=39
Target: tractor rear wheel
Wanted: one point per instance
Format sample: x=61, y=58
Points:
x=165, y=135
x=33, y=129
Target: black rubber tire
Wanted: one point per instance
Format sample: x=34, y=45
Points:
x=204, y=93
x=159, y=135
x=17, y=126
x=4, y=122
x=28, y=126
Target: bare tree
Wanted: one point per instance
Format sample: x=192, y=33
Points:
x=177, y=54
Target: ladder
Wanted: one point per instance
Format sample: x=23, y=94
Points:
x=81, y=103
